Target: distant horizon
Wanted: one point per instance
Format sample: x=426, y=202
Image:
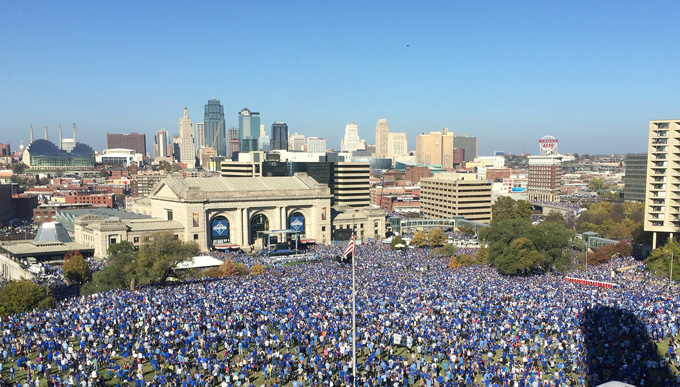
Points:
x=590, y=74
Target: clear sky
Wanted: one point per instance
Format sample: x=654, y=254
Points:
x=591, y=73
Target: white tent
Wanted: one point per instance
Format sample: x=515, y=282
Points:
x=199, y=262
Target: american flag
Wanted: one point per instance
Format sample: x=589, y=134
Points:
x=350, y=247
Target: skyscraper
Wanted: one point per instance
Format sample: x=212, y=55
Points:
x=469, y=143
x=248, y=127
x=397, y=146
x=160, y=146
x=213, y=119
x=316, y=145
x=350, y=142
x=200, y=136
x=296, y=142
x=279, y=135
x=186, y=141
x=382, y=134
x=435, y=148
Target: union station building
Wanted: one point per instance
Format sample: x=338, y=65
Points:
x=242, y=211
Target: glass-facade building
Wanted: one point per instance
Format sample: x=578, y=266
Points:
x=42, y=154
x=279, y=135
x=248, y=126
x=213, y=119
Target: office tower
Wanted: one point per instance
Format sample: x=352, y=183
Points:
x=455, y=194
x=382, y=133
x=469, y=143
x=248, y=125
x=200, y=136
x=397, y=146
x=435, y=148
x=279, y=135
x=133, y=141
x=635, y=179
x=186, y=141
x=296, y=142
x=316, y=145
x=160, y=146
x=176, y=152
x=662, y=198
x=350, y=142
x=262, y=131
x=215, y=132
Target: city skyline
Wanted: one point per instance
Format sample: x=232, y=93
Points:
x=507, y=74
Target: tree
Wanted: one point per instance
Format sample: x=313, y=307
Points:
x=597, y=183
x=119, y=200
x=482, y=255
x=467, y=230
x=519, y=257
x=555, y=217
x=158, y=257
x=467, y=260
x=436, y=237
x=506, y=207
x=18, y=168
x=397, y=240
x=659, y=261
x=75, y=267
x=605, y=253
x=23, y=296
x=453, y=263
x=118, y=274
x=419, y=239
x=448, y=250
x=257, y=269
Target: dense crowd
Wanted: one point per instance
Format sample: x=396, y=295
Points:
x=292, y=326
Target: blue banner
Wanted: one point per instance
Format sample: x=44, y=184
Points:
x=220, y=228
x=297, y=223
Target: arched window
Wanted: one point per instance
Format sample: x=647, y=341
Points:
x=296, y=222
x=219, y=230
x=258, y=224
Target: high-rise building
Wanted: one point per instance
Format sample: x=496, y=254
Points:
x=186, y=141
x=296, y=142
x=382, y=134
x=264, y=143
x=214, y=130
x=635, y=179
x=234, y=144
x=279, y=135
x=397, y=146
x=469, y=143
x=176, y=152
x=248, y=126
x=662, y=196
x=316, y=145
x=133, y=141
x=544, y=182
x=350, y=142
x=160, y=146
x=435, y=148
x=200, y=136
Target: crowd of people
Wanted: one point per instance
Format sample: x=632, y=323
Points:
x=293, y=326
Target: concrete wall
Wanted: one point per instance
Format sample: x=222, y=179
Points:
x=10, y=270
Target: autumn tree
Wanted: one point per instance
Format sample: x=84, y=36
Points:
x=436, y=237
x=419, y=239
x=118, y=274
x=482, y=255
x=448, y=250
x=23, y=296
x=75, y=267
x=453, y=263
x=257, y=269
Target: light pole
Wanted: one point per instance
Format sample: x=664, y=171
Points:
x=354, y=311
x=670, y=276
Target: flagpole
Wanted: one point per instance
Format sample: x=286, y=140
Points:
x=354, y=310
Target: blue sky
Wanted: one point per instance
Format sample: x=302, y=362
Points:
x=591, y=73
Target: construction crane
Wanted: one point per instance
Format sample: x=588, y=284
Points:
x=217, y=132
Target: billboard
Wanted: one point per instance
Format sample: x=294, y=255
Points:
x=297, y=223
x=220, y=229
